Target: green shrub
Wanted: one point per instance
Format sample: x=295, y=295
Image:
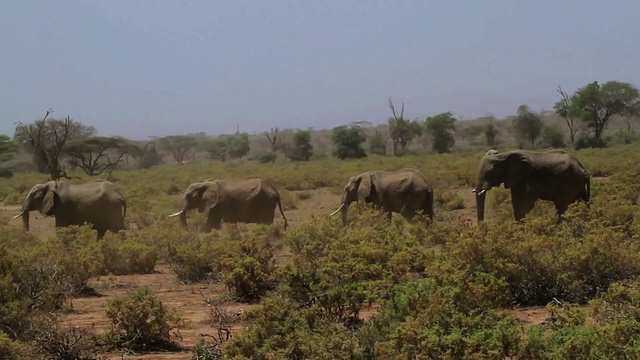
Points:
x=265, y=157
x=443, y=321
x=280, y=328
x=345, y=269
x=11, y=349
x=207, y=350
x=252, y=271
x=56, y=341
x=141, y=322
x=196, y=257
x=121, y=257
x=37, y=276
x=449, y=200
x=568, y=335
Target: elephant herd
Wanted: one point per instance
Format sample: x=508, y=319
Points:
x=553, y=175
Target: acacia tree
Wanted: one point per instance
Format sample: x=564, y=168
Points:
x=596, y=104
x=178, y=145
x=401, y=131
x=46, y=139
x=441, y=128
x=97, y=154
x=527, y=124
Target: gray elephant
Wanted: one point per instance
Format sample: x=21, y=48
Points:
x=553, y=175
x=250, y=200
x=404, y=191
x=97, y=202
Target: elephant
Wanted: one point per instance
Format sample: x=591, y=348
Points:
x=97, y=202
x=404, y=191
x=553, y=175
x=250, y=200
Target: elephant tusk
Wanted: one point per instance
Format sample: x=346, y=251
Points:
x=480, y=193
x=335, y=212
x=19, y=215
x=176, y=213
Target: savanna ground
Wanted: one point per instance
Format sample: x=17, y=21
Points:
x=189, y=299
x=309, y=191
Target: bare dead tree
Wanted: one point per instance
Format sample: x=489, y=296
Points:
x=47, y=138
x=567, y=112
x=393, y=110
x=273, y=138
x=402, y=131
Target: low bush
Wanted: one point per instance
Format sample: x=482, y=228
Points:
x=449, y=200
x=142, y=322
x=265, y=157
x=53, y=340
x=281, y=329
x=250, y=272
x=11, y=349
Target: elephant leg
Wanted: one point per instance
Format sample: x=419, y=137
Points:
x=407, y=212
x=561, y=207
x=101, y=233
x=213, y=221
x=522, y=204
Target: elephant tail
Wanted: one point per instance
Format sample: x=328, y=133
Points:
x=124, y=208
x=286, y=224
x=428, y=204
x=587, y=193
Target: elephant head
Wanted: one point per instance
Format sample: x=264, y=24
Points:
x=361, y=188
x=509, y=168
x=203, y=196
x=42, y=197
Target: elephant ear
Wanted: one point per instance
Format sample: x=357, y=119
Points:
x=211, y=195
x=364, y=186
x=49, y=202
x=518, y=167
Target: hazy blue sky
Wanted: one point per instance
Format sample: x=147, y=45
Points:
x=141, y=68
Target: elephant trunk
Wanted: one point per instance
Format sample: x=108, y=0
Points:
x=183, y=218
x=25, y=219
x=344, y=212
x=480, y=199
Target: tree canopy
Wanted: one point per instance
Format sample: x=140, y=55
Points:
x=225, y=147
x=402, y=131
x=178, y=146
x=46, y=139
x=348, y=140
x=301, y=148
x=596, y=104
x=7, y=148
x=97, y=154
x=378, y=143
x=527, y=125
x=441, y=128
x=490, y=134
